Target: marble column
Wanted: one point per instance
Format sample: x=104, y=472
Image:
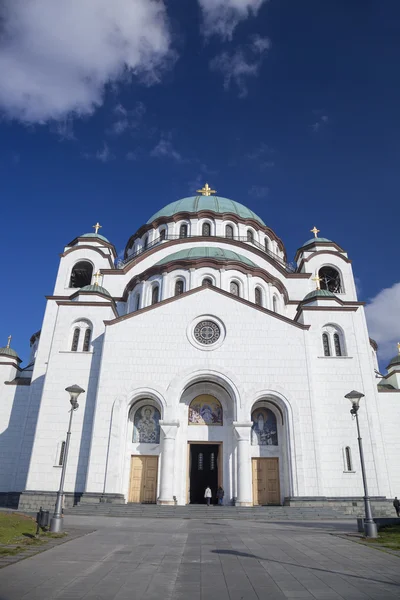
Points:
x=243, y=463
x=169, y=431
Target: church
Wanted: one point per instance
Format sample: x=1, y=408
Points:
x=206, y=359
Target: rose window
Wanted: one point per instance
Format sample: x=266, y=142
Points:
x=207, y=332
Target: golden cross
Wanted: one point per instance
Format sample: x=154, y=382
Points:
x=317, y=280
x=97, y=227
x=96, y=277
x=206, y=190
x=8, y=341
x=315, y=231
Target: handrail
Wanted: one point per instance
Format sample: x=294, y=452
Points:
x=120, y=263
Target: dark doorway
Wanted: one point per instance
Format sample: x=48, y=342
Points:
x=203, y=471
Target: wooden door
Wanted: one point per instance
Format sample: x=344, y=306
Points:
x=266, y=481
x=143, y=481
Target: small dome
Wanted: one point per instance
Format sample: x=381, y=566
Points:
x=217, y=204
x=319, y=294
x=206, y=252
x=8, y=352
x=97, y=289
x=395, y=361
x=316, y=240
x=95, y=235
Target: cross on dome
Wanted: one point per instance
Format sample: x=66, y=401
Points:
x=315, y=231
x=10, y=337
x=97, y=227
x=206, y=190
x=317, y=280
x=96, y=277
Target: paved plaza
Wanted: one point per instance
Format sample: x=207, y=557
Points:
x=133, y=559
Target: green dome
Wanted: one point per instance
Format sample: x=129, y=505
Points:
x=95, y=288
x=394, y=361
x=206, y=252
x=95, y=235
x=316, y=240
x=319, y=294
x=216, y=204
x=8, y=352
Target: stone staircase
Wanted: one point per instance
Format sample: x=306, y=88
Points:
x=256, y=513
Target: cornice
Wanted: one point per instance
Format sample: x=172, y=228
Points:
x=323, y=244
x=70, y=303
x=325, y=308
x=101, y=241
x=88, y=247
x=306, y=260
x=216, y=290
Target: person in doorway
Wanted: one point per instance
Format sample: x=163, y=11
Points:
x=396, y=504
x=220, y=495
x=208, y=495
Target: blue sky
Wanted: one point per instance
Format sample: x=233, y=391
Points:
x=289, y=107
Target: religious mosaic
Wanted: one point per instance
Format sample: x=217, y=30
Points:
x=264, y=431
x=205, y=410
x=146, y=425
x=207, y=332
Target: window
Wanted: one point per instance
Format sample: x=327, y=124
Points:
x=234, y=288
x=137, y=305
x=336, y=342
x=229, y=232
x=206, y=229
x=258, y=296
x=75, y=339
x=207, y=281
x=212, y=461
x=349, y=462
x=163, y=233
x=61, y=455
x=81, y=275
x=330, y=280
x=183, y=231
x=325, y=342
x=200, y=460
x=266, y=245
x=86, y=340
x=155, y=294
x=250, y=236
x=275, y=304
x=146, y=242
x=179, y=287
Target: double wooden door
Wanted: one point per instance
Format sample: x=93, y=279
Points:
x=265, y=481
x=143, y=481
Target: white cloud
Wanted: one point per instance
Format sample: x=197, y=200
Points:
x=383, y=316
x=321, y=121
x=258, y=191
x=262, y=156
x=127, y=119
x=104, y=155
x=57, y=57
x=222, y=16
x=244, y=62
x=165, y=149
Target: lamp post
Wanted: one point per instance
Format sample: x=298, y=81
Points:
x=370, y=527
x=56, y=521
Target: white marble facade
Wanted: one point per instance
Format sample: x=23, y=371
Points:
x=203, y=335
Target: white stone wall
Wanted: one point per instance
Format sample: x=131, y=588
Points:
x=389, y=419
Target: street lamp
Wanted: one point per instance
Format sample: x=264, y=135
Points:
x=56, y=521
x=370, y=527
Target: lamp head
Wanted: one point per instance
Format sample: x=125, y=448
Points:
x=354, y=398
x=74, y=391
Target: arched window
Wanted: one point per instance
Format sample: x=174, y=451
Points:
x=183, y=231
x=146, y=425
x=163, y=233
x=86, y=340
x=264, y=431
x=349, y=462
x=137, y=304
x=205, y=410
x=336, y=342
x=326, y=345
x=146, y=242
x=155, y=294
x=229, y=232
x=275, y=304
x=330, y=280
x=266, y=245
x=234, y=288
x=179, y=287
x=207, y=281
x=206, y=229
x=61, y=455
x=75, y=339
x=81, y=274
x=258, y=296
x=250, y=236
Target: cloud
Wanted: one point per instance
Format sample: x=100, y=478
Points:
x=383, y=316
x=56, y=58
x=64, y=129
x=165, y=149
x=131, y=156
x=262, y=156
x=221, y=17
x=242, y=63
x=258, y=191
x=104, y=155
x=127, y=119
x=320, y=122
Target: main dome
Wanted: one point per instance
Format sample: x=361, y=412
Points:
x=217, y=204
x=206, y=252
